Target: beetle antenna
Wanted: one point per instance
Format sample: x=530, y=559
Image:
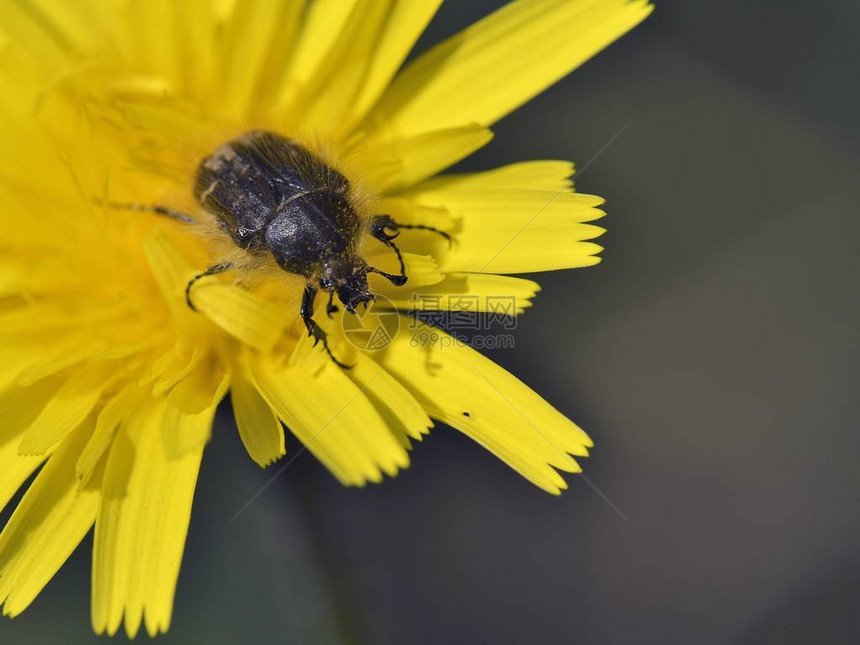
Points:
x=422, y=227
x=146, y=208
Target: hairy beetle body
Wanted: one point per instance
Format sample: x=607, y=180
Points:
x=272, y=195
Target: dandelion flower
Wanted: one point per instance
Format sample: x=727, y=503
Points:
x=109, y=381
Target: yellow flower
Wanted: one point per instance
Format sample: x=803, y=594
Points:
x=109, y=381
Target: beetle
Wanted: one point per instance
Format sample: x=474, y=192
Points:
x=276, y=198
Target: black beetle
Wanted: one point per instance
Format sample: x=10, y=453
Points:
x=274, y=196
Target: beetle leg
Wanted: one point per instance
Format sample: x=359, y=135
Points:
x=213, y=270
x=314, y=330
x=396, y=280
x=380, y=225
x=331, y=308
x=149, y=208
x=377, y=229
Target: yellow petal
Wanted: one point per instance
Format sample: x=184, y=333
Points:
x=259, y=428
x=167, y=120
x=55, y=357
x=75, y=24
x=185, y=433
x=150, y=24
x=170, y=270
x=52, y=316
x=333, y=418
x=405, y=23
x=551, y=176
x=468, y=292
x=254, y=50
x=15, y=469
x=141, y=526
x=241, y=313
x=458, y=386
x=173, y=366
x=518, y=231
x=399, y=408
x=25, y=26
x=114, y=412
x=202, y=388
x=51, y=520
x=404, y=162
x=320, y=32
x=19, y=407
x=501, y=62
x=325, y=101
x=195, y=20
x=71, y=404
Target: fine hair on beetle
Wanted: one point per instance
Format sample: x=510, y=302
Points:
x=271, y=208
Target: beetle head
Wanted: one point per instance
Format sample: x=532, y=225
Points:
x=348, y=278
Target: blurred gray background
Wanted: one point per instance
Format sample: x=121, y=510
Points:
x=713, y=357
